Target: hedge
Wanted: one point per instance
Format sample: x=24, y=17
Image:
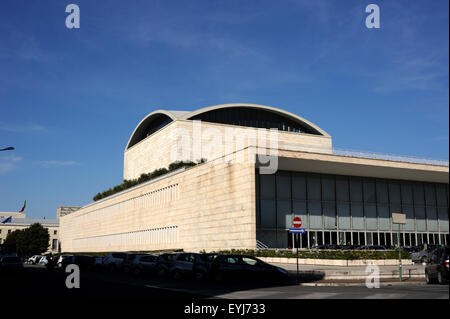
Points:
x=145, y=178
x=321, y=254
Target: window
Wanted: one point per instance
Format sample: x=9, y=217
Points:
x=54, y=232
x=249, y=261
x=54, y=244
x=231, y=260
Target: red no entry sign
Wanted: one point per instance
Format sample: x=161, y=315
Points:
x=297, y=222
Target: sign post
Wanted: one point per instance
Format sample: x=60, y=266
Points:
x=399, y=219
x=296, y=224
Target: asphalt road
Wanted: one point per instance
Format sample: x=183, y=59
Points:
x=36, y=282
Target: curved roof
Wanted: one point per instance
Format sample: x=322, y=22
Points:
x=139, y=131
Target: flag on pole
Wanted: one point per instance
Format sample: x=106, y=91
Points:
x=23, y=208
x=7, y=220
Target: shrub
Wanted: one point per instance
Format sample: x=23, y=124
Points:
x=145, y=178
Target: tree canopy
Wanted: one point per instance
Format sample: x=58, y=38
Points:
x=33, y=240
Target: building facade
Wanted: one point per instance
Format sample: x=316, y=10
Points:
x=238, y=200
x=20, y=221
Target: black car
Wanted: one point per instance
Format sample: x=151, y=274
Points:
x=164, y=263
x=10, y=263
x=202, y=265
x=437, y=266
x=83, y=261
x=128, y=262
x=243, y=268
x=191, y=265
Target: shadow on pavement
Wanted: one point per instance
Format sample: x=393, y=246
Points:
x=36, y=282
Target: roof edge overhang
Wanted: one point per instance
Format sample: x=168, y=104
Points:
x=290, y=115
x=149, y=116
x=186, y=115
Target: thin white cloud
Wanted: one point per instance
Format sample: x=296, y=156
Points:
x=21, y=128
x=8, y=163
x=55, y=163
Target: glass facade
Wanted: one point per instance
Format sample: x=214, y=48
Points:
x=252, y=117
x=351, y=210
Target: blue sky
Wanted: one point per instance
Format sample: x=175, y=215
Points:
x=69, y=99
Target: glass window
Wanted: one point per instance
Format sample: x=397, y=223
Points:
x=384, y=217
x=343, y=212
x=249, y=261
x=342, y=192
x=329, y=213
x=268, y=214
x=267, y=186
x=328, y=193
x=382, y=192
x=394, y=193
x=369, y=191
x=313, y=187
x=441, y=195
x=432, y=219
x=357, y=216
x=418, y=192
x=407, y=195
x=284, y=214
x=419, y=212
x=231, y=260
x=355, y=189
x=283, y=186
x=409, y=212
x=430, y=195
x=370, y=211
x=298, y=186
x=315, y=215
x=443, y=219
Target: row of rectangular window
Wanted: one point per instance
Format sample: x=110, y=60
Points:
x=303, y=186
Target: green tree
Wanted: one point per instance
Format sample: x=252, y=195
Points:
x=13, y=237
x=33, y=240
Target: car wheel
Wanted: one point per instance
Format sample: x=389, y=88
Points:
x=177, y=275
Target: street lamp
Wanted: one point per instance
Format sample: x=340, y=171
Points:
x=7, y=149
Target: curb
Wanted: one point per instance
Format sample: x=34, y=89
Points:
x=361, y=284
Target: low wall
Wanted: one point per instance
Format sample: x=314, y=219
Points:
x=336, y=262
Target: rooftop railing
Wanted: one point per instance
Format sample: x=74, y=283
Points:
x=390, y=157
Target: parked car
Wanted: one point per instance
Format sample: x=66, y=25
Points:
x=33, y=260
x=63, y=260
x=437, y=267
x=43, y=260
x=163, y=263
x=83, y=261
x=143, y=264
x=126, y=264
x=202, y=266
x=419, y=256
x=10, y=263
x=98, y=262
x=113, y=261
x=241, y=267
